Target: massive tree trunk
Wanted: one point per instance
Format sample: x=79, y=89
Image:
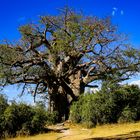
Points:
x=62, y=96
x=59, y=104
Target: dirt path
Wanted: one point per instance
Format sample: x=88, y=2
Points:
x=66, y=132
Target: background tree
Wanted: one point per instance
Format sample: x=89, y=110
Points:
x=63, y=54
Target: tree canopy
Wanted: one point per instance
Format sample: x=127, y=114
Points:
x=63, y=54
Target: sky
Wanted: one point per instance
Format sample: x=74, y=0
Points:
x=14, y=13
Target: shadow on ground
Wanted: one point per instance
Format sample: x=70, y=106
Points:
x=135, y=135
x=58, y=128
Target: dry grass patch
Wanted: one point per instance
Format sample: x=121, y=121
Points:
x=115, y=129
x=48, y=136
x=129, y=131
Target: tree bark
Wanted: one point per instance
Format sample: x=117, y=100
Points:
x=59, y=103
x=62, y=96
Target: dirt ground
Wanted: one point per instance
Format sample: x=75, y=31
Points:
x=69, y=131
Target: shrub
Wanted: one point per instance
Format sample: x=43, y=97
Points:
x=51, y=117
x=23, y=119
x=3, y=106
x=128, y=115
x=109, y=105
x=3, y=103
x=39, y=119
x=18, y=116
x=75, y=111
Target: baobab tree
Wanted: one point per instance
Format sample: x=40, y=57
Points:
x=62, y=55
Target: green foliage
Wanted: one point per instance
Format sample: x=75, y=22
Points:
x=109, y=105
x=22, y=119
x=128, y=115
x=75, y=111
x=52, y=117
x=3, y=103
x=3, y=106
x=39, y=119
x=18, y=117
x=95, y=109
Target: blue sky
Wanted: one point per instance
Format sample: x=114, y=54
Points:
x=13, y=13
x=125, y=13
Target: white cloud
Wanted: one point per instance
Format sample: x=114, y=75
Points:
x=122, y=12
x=115, y=9
x=113, y=13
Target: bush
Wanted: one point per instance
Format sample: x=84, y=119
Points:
x=18, y=117
x=93, y=109
x=120, y=104
x=128, y=115
x=3, y=103
x=23, y=119
x=76, y=109
x=3, y=106
x=52, y=117
x=39, y=119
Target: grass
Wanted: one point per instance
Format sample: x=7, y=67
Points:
x=129, y=131
x=48, y=136
x=117, y=129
